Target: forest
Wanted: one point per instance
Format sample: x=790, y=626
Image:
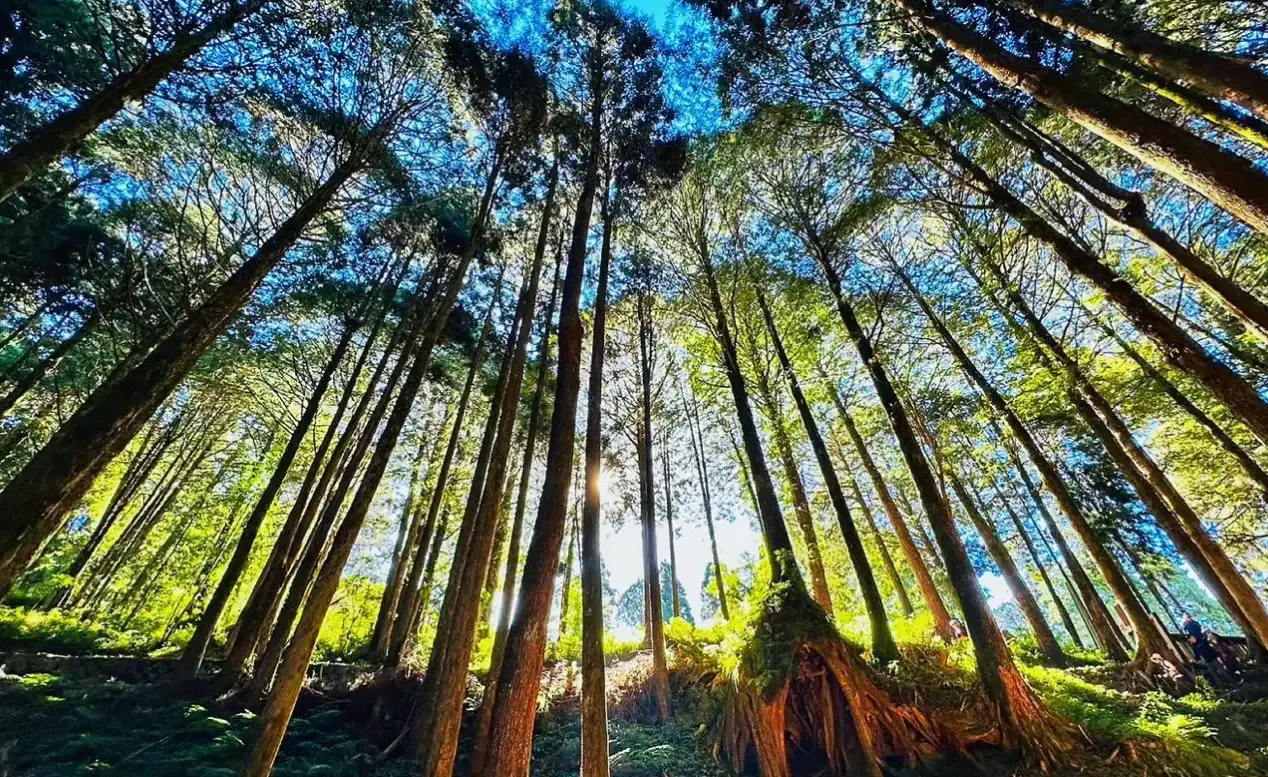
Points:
x=633, y=388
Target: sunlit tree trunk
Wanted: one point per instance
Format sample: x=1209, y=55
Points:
x=1173, y=512
x=53, y=482
x=520, y=679
x=1180, y=349
x=1066, y=620
x=411, y=598
x=480, y=749
x=887, y=559
x=1024, y=719
x=1215, y=75
x=884, y=649
x=1252, y=468
x=435, y=730
x=1226, y=179
x=651, y=558
x=418, y=352
x=64, y=132
x=192, y=657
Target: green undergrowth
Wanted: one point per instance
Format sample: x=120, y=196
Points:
x=56, y=727
x=59, y=632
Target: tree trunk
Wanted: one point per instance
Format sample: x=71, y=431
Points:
x=565, y=572
x=1052, y=478
x=480, y=748
x=63, y=133
x=55, y=480
x=1023, y=718
x=1093, y=187
x=891, y=570
x=256, y=620
x=706, y=497
x=411, y=600
x=418, y=353
x=435, y=730
x=1181, y=350
x=594, y=697
x=520, y=679
x=1252, y=468
x=676, y=603
x=924, y=580
x=406, y=538
x=192, y=657
x=651, y=560
x=1181, y=524
x=884, y=649
x=801, y=506
x=1214, y=75
x=1226, y=179
x=1153, y=486
x=1066, y=620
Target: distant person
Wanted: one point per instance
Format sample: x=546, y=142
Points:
x=957, y=629
x=1225, y=652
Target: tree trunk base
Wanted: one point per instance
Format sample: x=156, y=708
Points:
x=805, y=703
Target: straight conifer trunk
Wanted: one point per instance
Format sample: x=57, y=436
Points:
x=417, y=353
x=676, y=609
x=1052, y=478
x=891, y=570
x=192, y=657
x=1214, y=75
x=520, y=679
x=706, y=497
x=35, y=500
x=1012, y=577
x=884, y=649
x=480, y=749
x=436, y=729
x=1180, y=349
x=594, y=712
x=1226, y=179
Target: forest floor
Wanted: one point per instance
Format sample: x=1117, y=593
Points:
x=55, y=726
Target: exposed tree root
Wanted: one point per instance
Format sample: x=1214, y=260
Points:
x=804, y=702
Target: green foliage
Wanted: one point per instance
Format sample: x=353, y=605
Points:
x=59, y=632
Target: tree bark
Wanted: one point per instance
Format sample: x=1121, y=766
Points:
x=1252, y=468
x=480, y=749
x=651, y=560
x=1214, y=75
x=884, y=649
x=55, y=480
x=676, y=603
x=1226, y=179
x=418, y=353
x=520, y=679
x=435, y=731
x=406, y=537
x=1181, y=350
x=891, y=570
x=1066, y=620
x=63, y=133
x=411, y=600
